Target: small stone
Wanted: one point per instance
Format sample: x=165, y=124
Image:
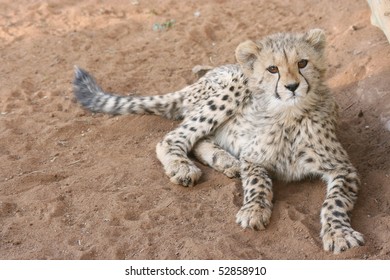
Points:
x=356, y=27
x=201, y=70
x=387, y=125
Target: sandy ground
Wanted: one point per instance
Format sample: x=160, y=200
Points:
x=79, y=186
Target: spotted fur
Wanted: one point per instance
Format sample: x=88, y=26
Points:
x=269, y=115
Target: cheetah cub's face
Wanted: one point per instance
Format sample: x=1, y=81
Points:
x=288, y=68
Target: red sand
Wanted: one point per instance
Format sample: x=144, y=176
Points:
x=79, y=186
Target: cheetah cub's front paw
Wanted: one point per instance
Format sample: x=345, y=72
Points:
x=254, y=215
x=183, y=172
x=339, y=240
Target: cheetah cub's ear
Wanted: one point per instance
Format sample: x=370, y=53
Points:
x=316, y=38
x=246, y=54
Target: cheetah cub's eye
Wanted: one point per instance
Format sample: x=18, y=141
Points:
x=302, y=63
x=273, y=69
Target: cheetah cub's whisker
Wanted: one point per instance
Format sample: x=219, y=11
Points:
x=269, y=114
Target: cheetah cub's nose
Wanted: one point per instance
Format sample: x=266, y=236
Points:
x=292, y=87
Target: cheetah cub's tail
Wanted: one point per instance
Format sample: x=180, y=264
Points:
x=91, y=96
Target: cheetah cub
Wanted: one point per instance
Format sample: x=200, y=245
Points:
x=270, y=114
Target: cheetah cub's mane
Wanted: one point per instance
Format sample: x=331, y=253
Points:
x=270, y=114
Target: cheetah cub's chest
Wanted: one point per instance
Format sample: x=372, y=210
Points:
x=275, y=143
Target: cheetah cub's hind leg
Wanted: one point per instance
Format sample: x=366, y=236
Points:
x=208, y=153
x=173, y=150
x=257, y=208
x=172, y=153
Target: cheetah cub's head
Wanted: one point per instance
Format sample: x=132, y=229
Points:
x=286, y=68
